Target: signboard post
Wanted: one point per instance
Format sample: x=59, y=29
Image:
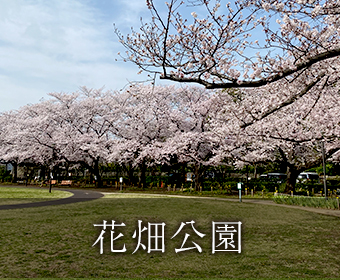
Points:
x=121, y=183
x=239, y=186
x=51, y=178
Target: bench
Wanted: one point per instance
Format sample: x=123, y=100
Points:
x=66, y=183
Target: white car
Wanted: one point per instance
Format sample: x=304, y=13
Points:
x=277, y=177
x=305, y=177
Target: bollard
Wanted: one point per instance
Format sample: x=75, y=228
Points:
x=182, y=188
x=200, y=188
x=337, y=199
x=246, y=191
x=252, y=192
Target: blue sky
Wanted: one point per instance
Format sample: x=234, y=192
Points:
x=60, y=45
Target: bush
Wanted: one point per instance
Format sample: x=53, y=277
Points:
x=5, y=175
x=317, y=202
x=333, y=182
x=265, y=185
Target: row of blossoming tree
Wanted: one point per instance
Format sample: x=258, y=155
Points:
x=167, y=125
x=142, y=126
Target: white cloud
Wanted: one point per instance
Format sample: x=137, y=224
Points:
x=130, y=12
x=59, y=45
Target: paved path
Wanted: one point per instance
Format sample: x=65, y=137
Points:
x=78, y=196
x=86, y=195
x=329, y=212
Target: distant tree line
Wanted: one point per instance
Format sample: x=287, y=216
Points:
x=174, y=129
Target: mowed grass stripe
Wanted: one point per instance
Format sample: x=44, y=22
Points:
x=17, y=195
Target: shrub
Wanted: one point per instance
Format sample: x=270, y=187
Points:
x=317, y=202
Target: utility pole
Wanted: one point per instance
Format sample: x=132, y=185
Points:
x=324, y=168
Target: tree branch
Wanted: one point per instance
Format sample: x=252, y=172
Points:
x=257, y=83
x=287, y=102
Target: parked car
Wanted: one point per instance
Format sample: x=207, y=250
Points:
x=306, y=177
x=276, y=177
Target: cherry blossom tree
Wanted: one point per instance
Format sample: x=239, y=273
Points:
x=28, y=137
x=242, y=44
x=165, y=125
x=245, y=44
x=76, y=128
x=290, y=135
x=6, y=145
x=144, y=120
x=193, y=142
x=85, y=127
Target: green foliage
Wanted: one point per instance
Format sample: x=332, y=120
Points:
x=330, y=169
x=334, y=182
x=2, y=170
x=317, y=202
x=308, y=188
x=5, y=175
x=267, y=185
x=155, y=181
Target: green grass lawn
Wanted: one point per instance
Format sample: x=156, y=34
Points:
x=14, y=195
x=57, y=241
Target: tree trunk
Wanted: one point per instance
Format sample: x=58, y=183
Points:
x=247, y=174
x=197, y=176
x=182, y=175
x=142, y=181
x=130, y=170
x=96, y=173
x=292, y=174
x=42, y=172
x=15, y=172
